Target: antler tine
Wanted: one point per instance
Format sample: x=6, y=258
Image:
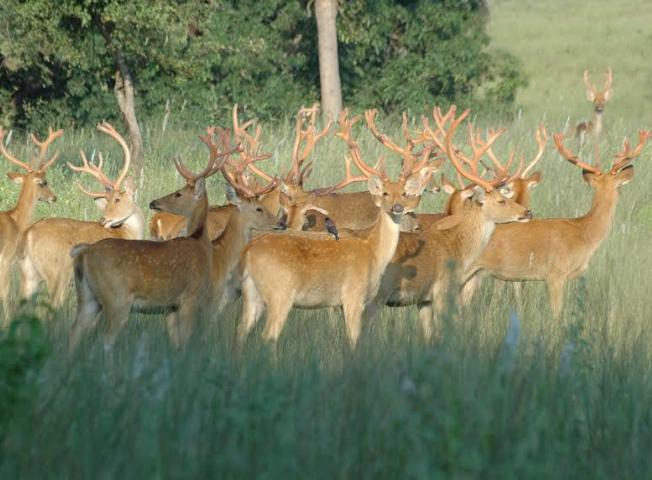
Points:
x=9, y=156
x=559, y=139
x=94, y=171
x=216, y=158
x=453, y=154
x=354, y=149
x=587, y=82
x=40, y=162
x=89, y=193
x=299, y=171
x=107, y=128
x=609, y=80
x=541, y=136
x=348, y=179
x=627, y=155
x=370, y=117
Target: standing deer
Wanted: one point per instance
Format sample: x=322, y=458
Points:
x=598, y=98
x=116, y=275
x=556, y=250
x=43, y=252
x=282, y=271
x=428, y=263
x=34, y=187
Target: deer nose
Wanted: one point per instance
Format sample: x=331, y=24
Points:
x=528, y=214
x=152, y=205
x=103, y=221
x=54, y=198
x=397, y=209
x=283, y=221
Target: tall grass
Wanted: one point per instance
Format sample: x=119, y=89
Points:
x=508, y=393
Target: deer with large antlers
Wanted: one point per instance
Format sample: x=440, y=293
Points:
x=282, y=271
x=556, y=250
x=429, y=262
x=598, y=98
x=43, y=252
x=34, y=187
x=174, y=276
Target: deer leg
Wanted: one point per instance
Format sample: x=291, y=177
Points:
x=60, y=288
x=187, y=316
x=353, y=319
x=88, y=309
x=277, y=315
x=556, y=292
x=30, y=278
x=116, y=318
x=426, y=319
x=470, y=287
x=252, y=308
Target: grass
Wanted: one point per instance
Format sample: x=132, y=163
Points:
x=508, y=393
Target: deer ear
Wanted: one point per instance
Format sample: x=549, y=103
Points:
x=448, y=222
x=607, y=95
x=375, y=185
x=589, y=177
x=534, y=179
x=478, y=195
x=416, y=183
x=129, y=186
x=101, y=202
x=284, y=189
x=447, y=186
x=200, y=188
x=16, y=177
x=590, y=96
x=507, y=191
x=625, y=175
x=232, y=195
x=467, y=193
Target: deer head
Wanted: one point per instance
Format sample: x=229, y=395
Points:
x=598, y=97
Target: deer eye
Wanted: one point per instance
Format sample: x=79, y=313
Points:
x=44, y=183
x=177, y=194
x=117, y=200
x=259, y=210
x=502, y=202
x=385, y=194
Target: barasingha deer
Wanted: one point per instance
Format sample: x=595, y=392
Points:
x=429, y=262
x=556, y=250
x=166, y=225
x=34, y=187
x=280, y=271
x=173, y=276
x=598, y=98
x=43, y=253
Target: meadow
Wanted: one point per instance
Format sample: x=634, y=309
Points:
x=509, y=392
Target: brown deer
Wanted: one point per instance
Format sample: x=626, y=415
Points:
x=43, y=252
x=428, y=263
x=599, y=98
x=282, y=271
x=34, y=187
x=174, y=276
x=556, y=250
x=166, y=225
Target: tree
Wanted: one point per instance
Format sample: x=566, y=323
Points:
x=329, y=69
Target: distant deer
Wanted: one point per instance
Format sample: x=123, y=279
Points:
x=174, y=276
x=599, y=98
x=43, y=252
x=556, y=250
x=282, y=271
x=34, y=187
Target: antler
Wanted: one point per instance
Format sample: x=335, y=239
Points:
x=571, y=157
x=40, y=162
x=412, y=162
x=214, y=163
x=591, y=87
x=96, y=170
x=622, y=159
x=479, y=147
x=541, y=136
x=299, y=172
x=9, y=156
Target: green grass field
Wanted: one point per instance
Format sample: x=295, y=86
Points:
x=508, y=393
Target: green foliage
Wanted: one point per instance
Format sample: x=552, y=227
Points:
x=60, y=57
x=23, y=348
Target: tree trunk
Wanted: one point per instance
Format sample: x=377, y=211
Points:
x=329, y=69
x=124, y=94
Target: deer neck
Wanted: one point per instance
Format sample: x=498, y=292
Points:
x=235, y=236
x=133, y=227
x=383, y=240
x=597, y=124
x=23, y=212
x=472, y=235
x=197, y=221
x=596, y=223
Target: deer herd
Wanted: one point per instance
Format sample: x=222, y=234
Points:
x=281, y=245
